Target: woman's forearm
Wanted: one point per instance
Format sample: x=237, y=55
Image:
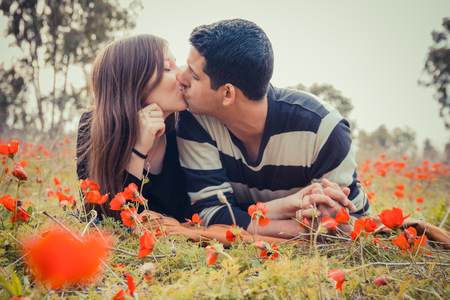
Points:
x=136, y=166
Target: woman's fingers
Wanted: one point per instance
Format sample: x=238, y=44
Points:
x=316, y=199
x=152, y=107
x=160, y=129
x=340, y=197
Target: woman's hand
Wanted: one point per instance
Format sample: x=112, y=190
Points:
x=151, y=125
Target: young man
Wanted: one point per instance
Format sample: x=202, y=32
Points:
x=255, y=142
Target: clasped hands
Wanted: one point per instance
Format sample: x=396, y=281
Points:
x=321, y=201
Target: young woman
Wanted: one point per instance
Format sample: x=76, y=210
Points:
x=129, y=130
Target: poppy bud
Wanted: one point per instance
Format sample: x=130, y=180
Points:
x=19, y=172
x=381, y=280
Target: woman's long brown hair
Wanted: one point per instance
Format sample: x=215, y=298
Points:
x=120, y=84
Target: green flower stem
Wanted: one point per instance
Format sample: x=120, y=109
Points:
x=318, y=260
x=4, y=167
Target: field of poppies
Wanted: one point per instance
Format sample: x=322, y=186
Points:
x=52, y=248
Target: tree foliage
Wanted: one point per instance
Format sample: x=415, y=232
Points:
x=397, y=143
x=437, y=66
x=429, y=151
x=58, y=34
x=330, y=94
x=12, y=91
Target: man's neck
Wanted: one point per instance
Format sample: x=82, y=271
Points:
x=246, y=120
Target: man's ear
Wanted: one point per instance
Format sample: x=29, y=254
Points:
x=229, y=94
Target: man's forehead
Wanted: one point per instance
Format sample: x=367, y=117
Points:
x=195, y=59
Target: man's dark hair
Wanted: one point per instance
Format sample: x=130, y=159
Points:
x=237, y=52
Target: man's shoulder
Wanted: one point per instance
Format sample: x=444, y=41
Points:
x=186, y=117
x=300, y=101
x=199, y=127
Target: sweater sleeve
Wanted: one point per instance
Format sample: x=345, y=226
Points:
x=336, y=160
x=205, y=174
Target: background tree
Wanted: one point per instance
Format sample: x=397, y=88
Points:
x=330, y=94
x=12, y=92
x=437, y=66
x=429, y=152
x=447, y=153
x=59, y=34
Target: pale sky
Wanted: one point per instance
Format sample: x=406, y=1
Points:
x=373, y=51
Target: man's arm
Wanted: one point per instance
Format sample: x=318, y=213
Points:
x=205, y=173
x=335, y=161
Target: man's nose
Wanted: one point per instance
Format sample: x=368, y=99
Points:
x=181, y=78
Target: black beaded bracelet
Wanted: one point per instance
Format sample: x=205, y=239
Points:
x=139, y=154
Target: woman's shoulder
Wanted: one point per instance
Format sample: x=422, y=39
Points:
x=85, y=117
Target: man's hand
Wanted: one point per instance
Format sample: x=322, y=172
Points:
x=306, y=198
x=338, y=199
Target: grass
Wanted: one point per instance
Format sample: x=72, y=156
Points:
x=181, y=271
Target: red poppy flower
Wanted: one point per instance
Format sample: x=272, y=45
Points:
x=342, y=217
x=88, y=185
x=356, y=232
x=131, y=193
x=19, y=172
x=8, y=202
x=419, y=199
x=304, y=223
x=400, y=187
x=118, y=202
x=410, y=233
x=399, y=194
x=260, y=244
x=232, y=234
x=195, y=220
x=382, y=155
x=367, y=224
x=392, y=218
x=258, y=212
x=420, y=241
x=9, y=149
x=400, y=241
x=57, y=182
x=129, y=217
x=59, y=258
x=21, y=215
x=131, y=288
x=339, y=276
x=96, y=197
x=147, y=242
x=381, y=280
x=270, y=254
x=381, y=171
x=213, y=255
x=329, y=223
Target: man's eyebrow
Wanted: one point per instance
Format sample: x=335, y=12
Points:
x=193, y=71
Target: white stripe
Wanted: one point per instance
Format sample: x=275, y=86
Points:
x=342, y=174
x=208, y=213
x=299, y=148
x=323, y=133
x=198, y=156
x=210, y=191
